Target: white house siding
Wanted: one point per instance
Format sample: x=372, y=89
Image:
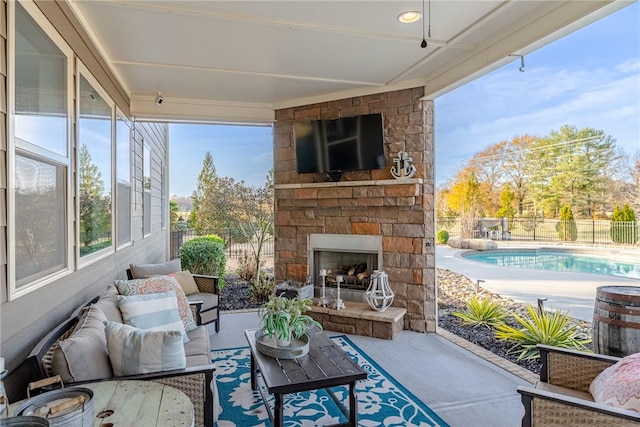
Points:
x=25, y=320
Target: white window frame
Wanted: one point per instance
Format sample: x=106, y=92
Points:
x=147, y=208
x=121, y=116
x=34, y=12
x=163, y=196
x=82, y=262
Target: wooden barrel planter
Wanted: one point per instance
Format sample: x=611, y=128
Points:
x=616, y=320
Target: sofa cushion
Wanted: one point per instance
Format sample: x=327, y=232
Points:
x=153, y=312
x=83, y=356
x=158, y=284
x=619, y=384
x=142, y=271
x=208, y=300
x=186, y=281
x=198, y=344
x=198, y=360
x=136, y=351
x=108, y=303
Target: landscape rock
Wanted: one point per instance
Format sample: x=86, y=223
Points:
x=482, y=244
x=458, y=242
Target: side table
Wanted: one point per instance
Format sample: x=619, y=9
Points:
x=136, y=403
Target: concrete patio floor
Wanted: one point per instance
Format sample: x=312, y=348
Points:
x=464, y=389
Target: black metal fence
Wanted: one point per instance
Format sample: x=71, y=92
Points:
x=543, y=229
x=233, y=249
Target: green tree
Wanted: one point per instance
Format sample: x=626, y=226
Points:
x=517, y=169
x=173, y=213
x=202, y=219
x=95, y=206
x=221, y=203
x=573, y=166
x=566, y=227
x=624, y=227
x=249, y=210
x=507, y=198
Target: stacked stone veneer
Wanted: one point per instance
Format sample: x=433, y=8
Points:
x=365, y=202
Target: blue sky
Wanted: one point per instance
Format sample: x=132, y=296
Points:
x=590, y=78
x=240, y=152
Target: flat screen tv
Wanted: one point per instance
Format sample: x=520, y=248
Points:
x=349, y=143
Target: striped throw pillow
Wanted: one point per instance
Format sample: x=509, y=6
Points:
x=159, y=284
x=136, y=351
x=153, y=312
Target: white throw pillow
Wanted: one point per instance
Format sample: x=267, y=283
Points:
x=136, y=351
x=153, y=312
x=619, y=384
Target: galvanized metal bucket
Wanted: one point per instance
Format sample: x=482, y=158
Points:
x=69, y=407
x=24, y=421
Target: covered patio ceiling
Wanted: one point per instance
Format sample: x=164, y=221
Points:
x=238, y=61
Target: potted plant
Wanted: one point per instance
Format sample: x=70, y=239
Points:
x=283, y=318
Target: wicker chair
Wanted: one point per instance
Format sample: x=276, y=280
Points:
x=561, y=397
x=209, y=297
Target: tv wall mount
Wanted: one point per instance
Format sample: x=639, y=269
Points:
x=334, y=176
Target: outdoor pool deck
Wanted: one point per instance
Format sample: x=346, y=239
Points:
x=464, y=389
x=575, y=292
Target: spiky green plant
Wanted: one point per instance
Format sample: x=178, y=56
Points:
x=551, y=328
x=481, y=312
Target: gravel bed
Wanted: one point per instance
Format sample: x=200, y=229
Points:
x=454, y=290
x=235, y=295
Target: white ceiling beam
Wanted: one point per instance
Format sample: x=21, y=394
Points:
x=143, y=107
x=246, y=73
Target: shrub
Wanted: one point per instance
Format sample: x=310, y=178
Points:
x=442, y=236
x=260, y=292
x=481, y=313
x=554, y=329
x=204, y=255
x=246, y=269
x=623, y=225
x=566, y=227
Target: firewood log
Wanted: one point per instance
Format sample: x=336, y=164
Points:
x=362, y=275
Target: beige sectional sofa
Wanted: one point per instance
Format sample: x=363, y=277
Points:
x=76, y=350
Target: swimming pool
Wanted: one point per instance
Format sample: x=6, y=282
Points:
x=560, y=260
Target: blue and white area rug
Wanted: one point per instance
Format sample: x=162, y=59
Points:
x=382, y=401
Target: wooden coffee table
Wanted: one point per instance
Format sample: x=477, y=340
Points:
x=325, y=366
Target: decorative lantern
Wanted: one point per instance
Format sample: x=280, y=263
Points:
x=379, y=294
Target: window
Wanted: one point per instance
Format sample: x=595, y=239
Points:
x=123, y=181
x=163, y=195
x=39, y=146
x=146, y=184
x=95, y=124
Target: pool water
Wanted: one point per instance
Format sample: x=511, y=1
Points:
x=553, y=260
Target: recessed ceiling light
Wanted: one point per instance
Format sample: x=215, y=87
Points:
x=409, y=16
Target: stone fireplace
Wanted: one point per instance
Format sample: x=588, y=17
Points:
x=317, y=220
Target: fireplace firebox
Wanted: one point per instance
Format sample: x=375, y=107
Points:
x=354, y=257
x=354, y=267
